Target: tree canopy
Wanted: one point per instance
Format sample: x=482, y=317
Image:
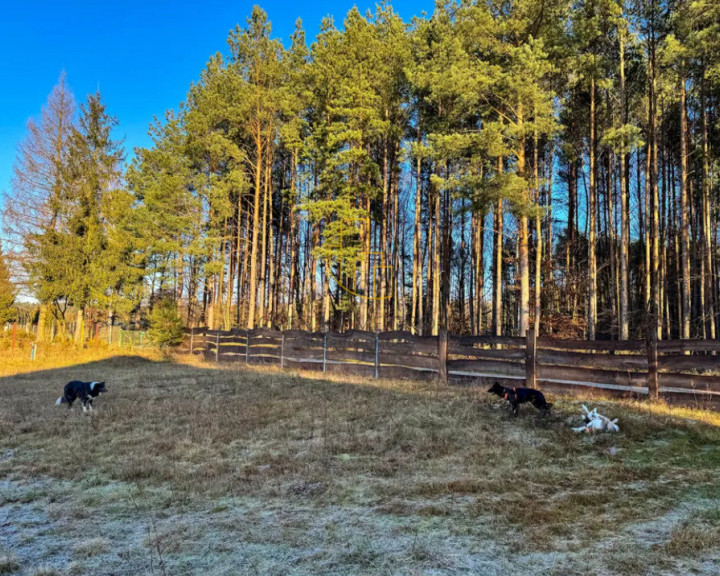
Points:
x=490, y=167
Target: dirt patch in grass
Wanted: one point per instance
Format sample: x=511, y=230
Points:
x=195, y=468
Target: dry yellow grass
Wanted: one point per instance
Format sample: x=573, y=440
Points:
x=54, y=356
x=198, y=467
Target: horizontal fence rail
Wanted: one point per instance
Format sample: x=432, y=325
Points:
x=685, y=371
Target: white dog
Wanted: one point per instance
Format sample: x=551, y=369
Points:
x=595, y=422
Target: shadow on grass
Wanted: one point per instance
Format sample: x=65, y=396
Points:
x=141, y=373
x=163, y=421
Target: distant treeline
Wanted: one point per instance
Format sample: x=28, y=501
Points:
x=494, y=167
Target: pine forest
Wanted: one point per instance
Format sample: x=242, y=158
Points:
x=494, y=167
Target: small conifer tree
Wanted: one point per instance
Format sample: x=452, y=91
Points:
x=166, y=326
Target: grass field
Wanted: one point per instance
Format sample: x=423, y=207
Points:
x=191, y=468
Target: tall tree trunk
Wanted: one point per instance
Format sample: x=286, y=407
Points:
x=647, y=229
x=42, y=323
x=293, y=296
x=266, y=223
x=523, y=252
x=610, y=205
x=656, y=322
x=245, y=268
x=498, y=261
x=396, y=277
x=384, y=224
x=416, y=320
x=219, y=306
x=80, y=327
x=437, y=280
x=444, y=269
x=365, y=264
x=312, y=275
x=233, y=255
x=684, y=216
x=463, y=268
x=709, y=310
x=479, y=270
x=253, y=280
x=275, y=265
x=624, y=207
x=551, y=303
x=570, y=276
x=326, y=297
x=538, y=238
x=592, y=263
x=430, y=250
x=402, y=296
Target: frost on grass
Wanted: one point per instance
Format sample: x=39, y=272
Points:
x=225, y=471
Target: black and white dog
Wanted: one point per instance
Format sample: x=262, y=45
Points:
x=83, y=391
x=517, y=396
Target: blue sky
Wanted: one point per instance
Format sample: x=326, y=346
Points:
x=142, y=55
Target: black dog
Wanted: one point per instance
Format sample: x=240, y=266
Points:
x=83, y=391
x=517, y=396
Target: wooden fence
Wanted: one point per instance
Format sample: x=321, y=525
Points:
x=686, y=371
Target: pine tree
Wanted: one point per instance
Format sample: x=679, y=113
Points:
x=166, y=326
x=267, y=198
x=256, y=61
x=168, y=219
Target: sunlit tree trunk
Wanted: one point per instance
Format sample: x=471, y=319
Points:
x=437, y=280
x=684, y=217
x=709, y=308
x=256, y=223
x=624, y=207
x=538, y=239
x=655, y=316
x=592, y=263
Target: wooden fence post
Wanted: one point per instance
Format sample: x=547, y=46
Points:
x=282, y=351
x=530, y=358
x=217, y=346
x=377, y=346
x=442, y=356
x=247, y=347
x=192, y=334
x=14, y=336
x=324, y=352
x=652, y=380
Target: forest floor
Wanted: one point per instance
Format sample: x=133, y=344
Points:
x=193, y=468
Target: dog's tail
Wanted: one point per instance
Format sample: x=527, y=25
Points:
x=60, y=400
